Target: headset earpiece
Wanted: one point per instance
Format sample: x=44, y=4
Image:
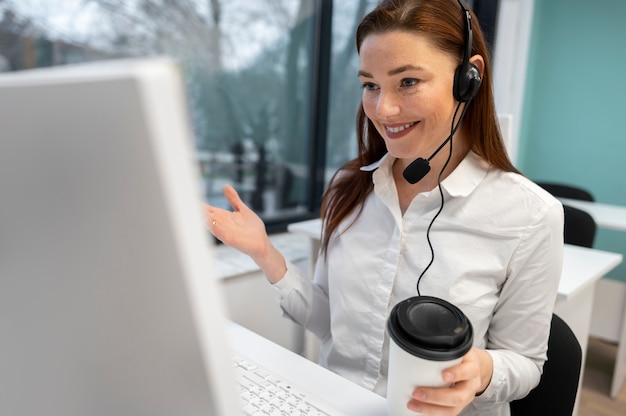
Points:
x=467, y=78
x=466, y=82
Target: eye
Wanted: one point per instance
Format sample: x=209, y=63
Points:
x=368, y=86
x=410, y=82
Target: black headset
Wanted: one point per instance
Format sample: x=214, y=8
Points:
x=467, y=81
x=467, y=78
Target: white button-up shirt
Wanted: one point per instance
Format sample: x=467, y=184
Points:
x=498, y=248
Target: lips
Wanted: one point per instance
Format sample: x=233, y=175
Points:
x=399, y=130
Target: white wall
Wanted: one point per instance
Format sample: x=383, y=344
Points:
x=510, y=59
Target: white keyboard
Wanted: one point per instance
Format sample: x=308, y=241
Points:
x=264, y=393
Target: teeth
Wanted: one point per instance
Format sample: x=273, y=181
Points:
x=400, y=128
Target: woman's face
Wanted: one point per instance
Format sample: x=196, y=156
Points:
x=407, y=92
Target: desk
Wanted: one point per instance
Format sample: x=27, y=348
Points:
x=610, y=217
x=336, y=390
x=582, y=268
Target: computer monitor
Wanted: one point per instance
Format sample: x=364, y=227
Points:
x=108, y=299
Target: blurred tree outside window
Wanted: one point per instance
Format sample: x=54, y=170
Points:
x=248, y=68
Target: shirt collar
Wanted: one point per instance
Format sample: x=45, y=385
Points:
x=461, y=182
x=466, y=177
x=373, y=166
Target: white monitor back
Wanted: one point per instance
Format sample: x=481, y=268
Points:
x=108, y=303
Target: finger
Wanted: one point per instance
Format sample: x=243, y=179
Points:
x=467, y=369
x=453, y=397
x=213, y=214
x=233, y=198
x=208, y=214
x=434, y=396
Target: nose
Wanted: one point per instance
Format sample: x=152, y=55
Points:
x=388, y=105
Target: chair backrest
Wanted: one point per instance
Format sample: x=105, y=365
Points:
x=555, y=395
x=579, y=228
x=567, y=191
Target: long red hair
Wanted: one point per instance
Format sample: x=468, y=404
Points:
x=443, y=22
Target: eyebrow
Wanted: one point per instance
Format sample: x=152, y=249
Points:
x=394, y=71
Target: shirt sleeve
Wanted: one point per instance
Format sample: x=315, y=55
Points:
x=305, y=301
x=520, y=327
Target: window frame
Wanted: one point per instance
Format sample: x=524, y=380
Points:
x=317, y=134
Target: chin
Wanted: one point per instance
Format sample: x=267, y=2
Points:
x=401, y=154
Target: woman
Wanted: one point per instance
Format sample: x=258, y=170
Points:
x=472, y=230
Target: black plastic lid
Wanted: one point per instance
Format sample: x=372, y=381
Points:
x=430, y=328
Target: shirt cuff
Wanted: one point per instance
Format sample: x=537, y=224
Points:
x=493, y=391
x=288, y=283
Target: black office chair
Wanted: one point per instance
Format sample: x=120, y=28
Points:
x=555, y=395
x=567, y=191
x=579, y=228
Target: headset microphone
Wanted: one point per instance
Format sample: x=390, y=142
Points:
x=420, y=166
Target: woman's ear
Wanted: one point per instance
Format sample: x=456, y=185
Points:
x=479, y=62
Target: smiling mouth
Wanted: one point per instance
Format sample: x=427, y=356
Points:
x=399, y=129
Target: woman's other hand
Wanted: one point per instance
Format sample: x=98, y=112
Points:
x=467, y=379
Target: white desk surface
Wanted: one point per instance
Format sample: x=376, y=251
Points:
x=334, y=389
x=581, y=266
x=606, y=216
x=310, y=228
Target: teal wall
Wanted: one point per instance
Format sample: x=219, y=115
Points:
x=574, y=109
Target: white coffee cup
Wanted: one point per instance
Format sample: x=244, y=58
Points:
x=427, y=335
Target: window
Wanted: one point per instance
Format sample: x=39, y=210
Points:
x=345, y=87
x=250, y=70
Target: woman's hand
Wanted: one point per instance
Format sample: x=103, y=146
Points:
x=243, y=230
x=468, y=379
